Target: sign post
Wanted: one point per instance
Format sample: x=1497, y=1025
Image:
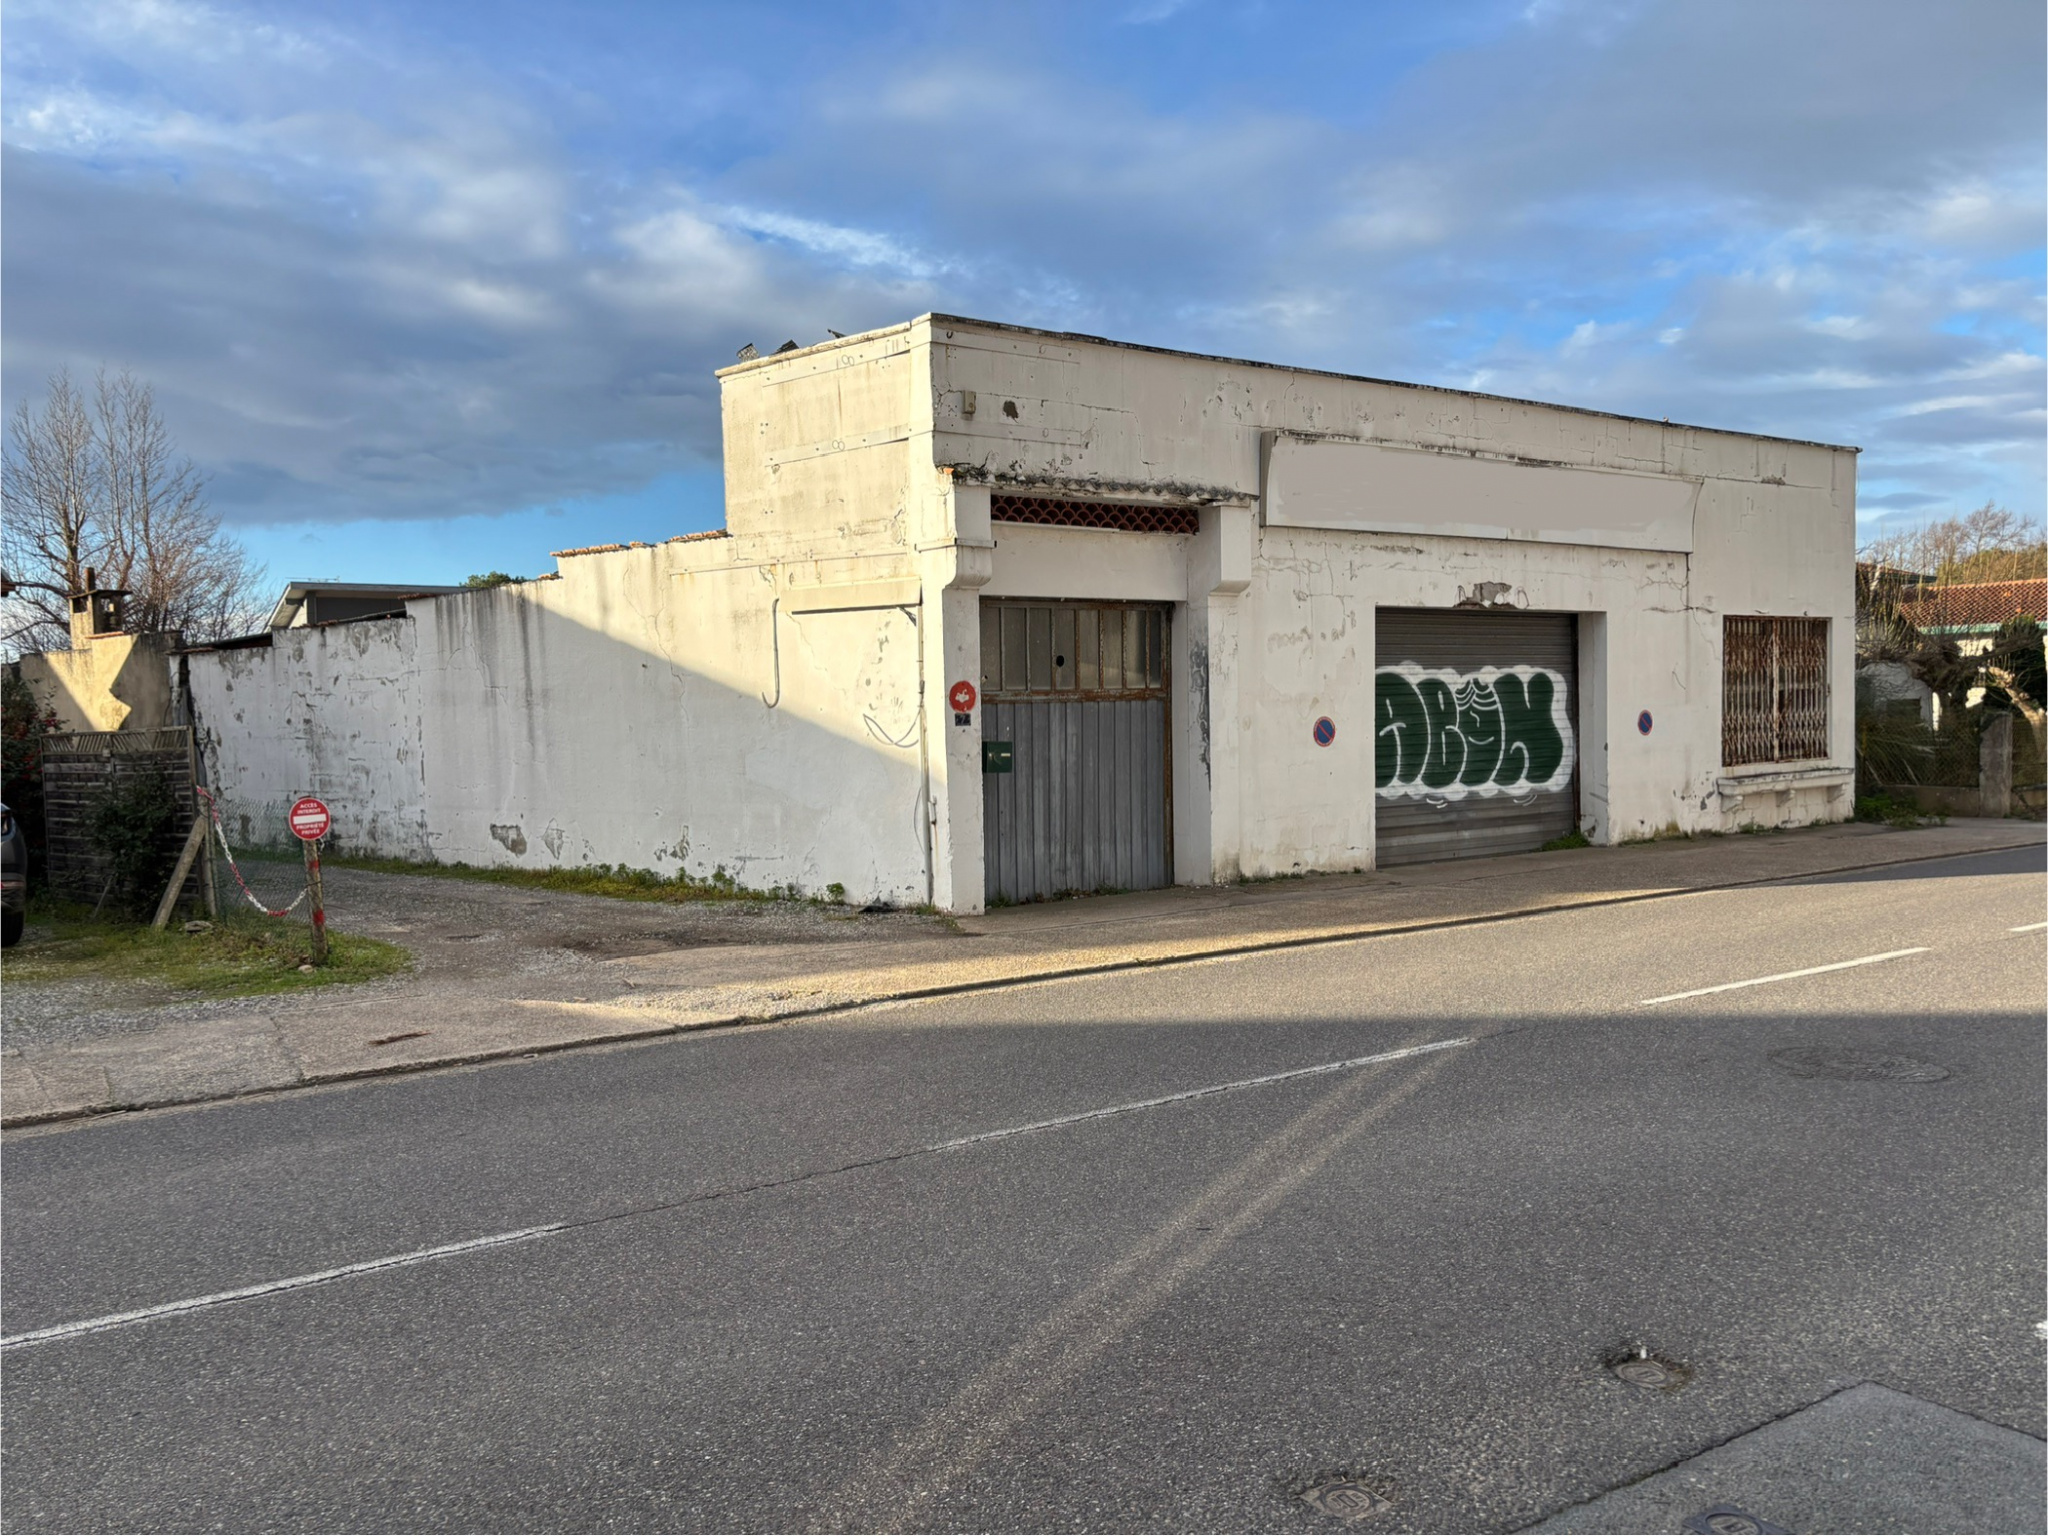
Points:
x=309, y=823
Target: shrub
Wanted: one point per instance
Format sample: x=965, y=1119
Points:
x=130, y=824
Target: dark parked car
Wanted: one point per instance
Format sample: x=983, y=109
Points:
x=13, y=879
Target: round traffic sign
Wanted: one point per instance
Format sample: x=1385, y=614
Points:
x=1325, y=731
x=1643, y=722
x=961, y=696
x=309, y=819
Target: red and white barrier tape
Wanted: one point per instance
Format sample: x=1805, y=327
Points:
x=221, y=831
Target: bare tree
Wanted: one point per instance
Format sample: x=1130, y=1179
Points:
x=97, y=485
x=1989, y=544
x=50, y=488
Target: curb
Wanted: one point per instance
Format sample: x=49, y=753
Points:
x=963, y=988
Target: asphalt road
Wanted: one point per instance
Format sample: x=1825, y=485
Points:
x=769, y=1303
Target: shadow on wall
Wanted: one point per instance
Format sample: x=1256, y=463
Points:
x=493, y=728
x=118, y=682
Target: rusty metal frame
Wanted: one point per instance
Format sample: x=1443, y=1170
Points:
x=1774, y=690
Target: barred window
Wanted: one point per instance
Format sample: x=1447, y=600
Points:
x=1774, y=690
x=1062, y=513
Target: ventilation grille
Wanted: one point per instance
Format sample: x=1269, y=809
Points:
x=1092, y=514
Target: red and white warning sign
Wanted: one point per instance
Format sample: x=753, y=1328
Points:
x=961, y=696
x=309, y=819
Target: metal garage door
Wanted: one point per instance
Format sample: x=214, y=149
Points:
x=1074, y=748
x=1477, y=749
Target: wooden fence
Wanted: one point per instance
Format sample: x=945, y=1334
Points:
x=79, y=768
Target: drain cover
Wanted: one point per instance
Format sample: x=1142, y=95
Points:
x=1856, y=1066
x=1654, y=1373
x=1643, y=1373
x=1727, y=1520
x=1349, y=1497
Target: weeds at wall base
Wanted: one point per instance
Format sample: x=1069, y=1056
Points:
x=614, y=880
x=1894, y=812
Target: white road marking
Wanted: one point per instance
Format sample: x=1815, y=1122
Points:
x=1197, y=1093
x=525, y=1234
x=273, y=1287
x=1811, y=970
x=2028, y=927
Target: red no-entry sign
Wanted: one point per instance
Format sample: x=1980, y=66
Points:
x=309, y=819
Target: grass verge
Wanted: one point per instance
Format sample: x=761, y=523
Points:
x=238, y=957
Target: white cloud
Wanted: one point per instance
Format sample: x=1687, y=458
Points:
x=379, y=278
x=854, y=247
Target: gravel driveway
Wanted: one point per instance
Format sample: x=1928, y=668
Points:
x=467, y=938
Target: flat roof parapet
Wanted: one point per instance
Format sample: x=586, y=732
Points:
x=1082, y=338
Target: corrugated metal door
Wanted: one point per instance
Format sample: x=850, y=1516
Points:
x=1074, y=748
x=1477, y=739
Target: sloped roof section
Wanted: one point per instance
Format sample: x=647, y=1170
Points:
x=1975, y=605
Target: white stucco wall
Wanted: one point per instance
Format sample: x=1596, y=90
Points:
x=333, y=712
x=625, y=714
x=773, y=703
x=1650, y=534
x=629, y=714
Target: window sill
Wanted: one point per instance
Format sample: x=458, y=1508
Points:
x=1772, y=777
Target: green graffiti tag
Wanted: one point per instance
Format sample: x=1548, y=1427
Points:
x=1445, y=735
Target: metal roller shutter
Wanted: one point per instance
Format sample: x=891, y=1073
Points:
x=1476, y=717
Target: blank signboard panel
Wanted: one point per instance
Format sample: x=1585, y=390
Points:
x=1328, y=483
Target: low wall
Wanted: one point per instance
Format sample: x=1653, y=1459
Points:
x=1994, y=794
x=636, y=711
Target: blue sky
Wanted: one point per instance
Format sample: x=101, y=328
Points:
x=435, y=288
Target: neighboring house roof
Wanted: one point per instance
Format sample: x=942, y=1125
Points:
x=314, y=602
x=1981, y=605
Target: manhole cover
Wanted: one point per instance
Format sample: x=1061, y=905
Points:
x=1727, y=1520
x=1856, y=1066
x=1654, y=1373
x=1349, y=1497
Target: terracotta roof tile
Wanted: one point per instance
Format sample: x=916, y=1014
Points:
x=612, y=549
x=1976, y=603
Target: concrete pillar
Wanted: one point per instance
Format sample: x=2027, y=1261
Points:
x=1208, y=803
x=950, y=635
x=1593, y=722
x=1994, y=767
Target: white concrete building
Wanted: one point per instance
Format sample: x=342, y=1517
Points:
x=1001, y=613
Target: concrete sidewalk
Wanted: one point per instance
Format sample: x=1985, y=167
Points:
x=239, y=1053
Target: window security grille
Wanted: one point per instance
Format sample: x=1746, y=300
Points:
x=1058, y=513
x=1774, y=690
